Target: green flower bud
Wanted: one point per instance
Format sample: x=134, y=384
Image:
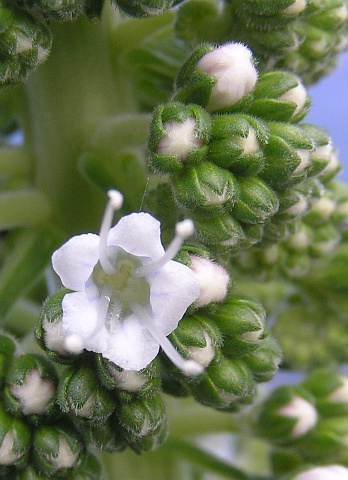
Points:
x=90, y=469
x=328, y=442
x=287, y=155
x=322, y=210
x=56, y=9
x=333, y=166
x=205, y=186
x=217, y=78
x=318, y=43
x=30, y=388
x=330, y=388
x=196, y=338
x=325, y=240
x=225, y=385
x=179, y=135
x=296, y=265
x=264, y=362
x=267, y=7
x=322, y=148
x=25, y=43
x=328, y=15
x=14, y=440
x=81, y=394
x=105, y=437
x=287, y=415
x=141, y=418
x=293, y=204
x=142, y=8
x=241, y=321
x=257, y=201
x=143, y=383
x=28, y=473
x=56, y=450
x=49, y=330
x=221, y=230
x=152, y=440
x=237, y=142
x=280, y=96
x=7, y=349
x=275, y=43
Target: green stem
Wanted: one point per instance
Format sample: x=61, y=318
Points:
x=67, y=98
x=15, y=161
x=206, y=460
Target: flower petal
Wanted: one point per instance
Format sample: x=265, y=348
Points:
x=130, y=345
x=138, y=234
x=74, y=261
x=80, y=317
x=173, y=289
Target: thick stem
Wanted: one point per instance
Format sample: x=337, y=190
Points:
x=67, y=98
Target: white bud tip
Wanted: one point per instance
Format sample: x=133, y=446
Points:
x=192, y=368
x=185, y=228
x=74, y=344
x=115, y=199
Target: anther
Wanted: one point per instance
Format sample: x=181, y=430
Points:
x=115, y=203
x=183, y=230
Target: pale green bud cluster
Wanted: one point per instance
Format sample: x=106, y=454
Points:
x=248, y=171
x=37, y=441
x=232, y=342
x=302, y=36
x=306, y=424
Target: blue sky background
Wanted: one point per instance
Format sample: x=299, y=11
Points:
x=329, y=109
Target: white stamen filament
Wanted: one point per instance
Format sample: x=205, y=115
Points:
x=188, y=367
x=115, y=203
x=183, y=230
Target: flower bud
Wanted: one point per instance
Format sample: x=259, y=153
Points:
x=328, y=472
x=326, y=238
x=14, y=440
x=140, y=418
x=90, y=469
x=217, y=78
x=129, y=382
x=257, y=201
x=196, y=338
x=221, y=230
x=241, y=321
x=330, y=389
x=329, y=16
x=279, y=96
x=25, y=43
x=56, y=450
x=30, y=388
x=59, y=9
x=105, y=437
x=225, y=385
x=264, y=361
x=179, y=135
x=322, y=148
x=143, y=8
x=81, y=394
x=212, y=279
x=49, y=329
x=237, y=142
x=287, y=415
x=205, y=186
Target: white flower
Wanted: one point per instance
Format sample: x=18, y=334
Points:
x=329, y=472
x=128, y=293
x=236, y=75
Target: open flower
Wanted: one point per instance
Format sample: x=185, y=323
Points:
x=128, y=293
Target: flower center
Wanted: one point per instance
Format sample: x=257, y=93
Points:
x=121, y=289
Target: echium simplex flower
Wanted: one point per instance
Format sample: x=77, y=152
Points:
x=128, y=293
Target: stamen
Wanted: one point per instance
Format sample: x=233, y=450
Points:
x=188, y=367
x=183, y=230
x=115, y=203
